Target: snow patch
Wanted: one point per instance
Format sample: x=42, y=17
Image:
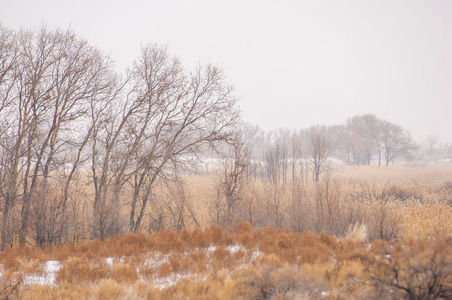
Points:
x=157, y=260
x=109, y=261
x=324, y=294
x=235, y=248
x=210, y=249
x=48, y=278
x=255, y=254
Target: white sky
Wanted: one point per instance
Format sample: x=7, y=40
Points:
x=293, y=63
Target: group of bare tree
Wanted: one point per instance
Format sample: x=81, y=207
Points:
x=84, y=150
x=278, y=155
x=283, y=178
x=370, y=136
x=78, y=140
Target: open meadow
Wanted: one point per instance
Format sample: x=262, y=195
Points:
x=361, y=232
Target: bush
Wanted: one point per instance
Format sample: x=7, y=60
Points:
x=124, y=273
x=78, y=270
x=108, y=289
x=423, y=271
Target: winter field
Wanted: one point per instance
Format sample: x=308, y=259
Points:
x=360, y=233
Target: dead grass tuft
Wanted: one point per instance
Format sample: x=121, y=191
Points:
x=79, y=270
x=109, y=290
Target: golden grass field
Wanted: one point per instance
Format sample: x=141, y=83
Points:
x=267, y=262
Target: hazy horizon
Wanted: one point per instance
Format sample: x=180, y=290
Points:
x=294, y=64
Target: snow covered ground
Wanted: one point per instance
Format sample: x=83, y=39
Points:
x=49, y=269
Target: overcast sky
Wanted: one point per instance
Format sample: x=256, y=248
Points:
x=293, y=63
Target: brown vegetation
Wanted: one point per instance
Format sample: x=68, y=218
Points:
x=247, y=263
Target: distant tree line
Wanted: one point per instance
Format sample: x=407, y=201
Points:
x=363, y=139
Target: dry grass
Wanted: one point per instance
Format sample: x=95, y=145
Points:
x=216, y=264
x=337, y=240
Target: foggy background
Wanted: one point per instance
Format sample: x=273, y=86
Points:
x=293, y=63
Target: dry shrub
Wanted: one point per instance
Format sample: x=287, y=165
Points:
x=147, y=272
x=308, y=238
x=221, y=258
x=403, y=192
x=61, y=291
x=328, y=240
x=14, y=258
x=420, y=270
x=93, y=249
x=61, y=253
x=31, y=266
x=38, y=292
x=427, y=220
x=11, y=284
x=445, y=192
x=124, y=273
x=165, y=269
x=222, y=286
x=270, y=260
x=77, y=270
x=196, y=261
x=167, y=240
x=379, y=247
x=182, y=263
x=244, y=228
x=385, y=220
x=350, y=250
x=10, y=260
x=310, y=249
x=318, y=253
x=185, y=235
x=357, y=232
x=217, y=285
x=271, y=282
x=246, y=234
x=199, y=239
x=190, y=288
x=288, y=250
x=109, y=289
x=131, y=244
x=284, y=241
x=143, y=290
x=177, y=263
x=169, y=293
x=230, y=237
x=347, y=278
x=267, y=240
x=215, y=233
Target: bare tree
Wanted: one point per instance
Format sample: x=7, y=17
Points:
x=396, y=142
x=295, y=152
x=363, y=131
x=10, y=146
x=384, y=222
x=318, y=151
x=328, y=206
x=56, y=76
x=250, y=134
x=61, y=104
x=276, y=202
x=276, y=156
x=232, y=176
x=181, y=212
x=162, y=116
